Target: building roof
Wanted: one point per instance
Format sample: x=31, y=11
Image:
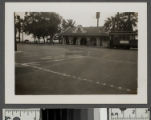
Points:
x=124, y=33
x=85, y=31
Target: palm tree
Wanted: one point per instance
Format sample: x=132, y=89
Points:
x=132, y=20
x=126, y=21
x=67, y=23
x=108, y=24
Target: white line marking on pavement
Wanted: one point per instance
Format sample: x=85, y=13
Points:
x=111, y=86
x=120, y=61
x=59, y=60
x=46, y=58
x=53, y=57
x=66, y=75
x=32, y=64
x=79, y=78
x=119, y=87
x=74, y=77
x=19, y=51
x=85, y=79
x=98, y=82
x=25, y=64
x=128, y=90
x=104, y=84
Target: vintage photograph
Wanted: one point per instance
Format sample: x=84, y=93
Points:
x=77, y=114
x=66, y=53
x=81, y=53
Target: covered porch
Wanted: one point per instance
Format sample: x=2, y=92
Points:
x=100, y=41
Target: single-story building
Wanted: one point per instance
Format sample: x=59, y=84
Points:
x=97, y=36
x=123, y=39
x=90, y=36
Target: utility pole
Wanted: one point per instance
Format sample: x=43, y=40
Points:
x=97, y=17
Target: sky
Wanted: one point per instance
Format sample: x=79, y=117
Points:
x=85, y=18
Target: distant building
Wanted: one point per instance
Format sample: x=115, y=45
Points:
x=97, y=36
x=90, y=36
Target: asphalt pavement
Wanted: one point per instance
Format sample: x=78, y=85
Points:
x=68, y=69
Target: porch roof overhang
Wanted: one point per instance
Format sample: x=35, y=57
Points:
x=86, y=35
x=123, y=33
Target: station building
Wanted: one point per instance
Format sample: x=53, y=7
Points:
x=97, y=36
x=90, y=36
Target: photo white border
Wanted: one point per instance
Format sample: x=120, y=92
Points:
x=11, y=98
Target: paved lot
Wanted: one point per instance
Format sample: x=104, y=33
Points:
x=45, y=69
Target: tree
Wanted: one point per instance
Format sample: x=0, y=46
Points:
x=42, y=24
x=125, y=21
x=67, y=23
x=131, y=19
x=18, y=25
x=109, y=24
x=17, y=28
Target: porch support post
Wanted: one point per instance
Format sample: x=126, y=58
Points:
x=98, y=41
x=88, y=41
x=64, y=41
x=70, y=40
x=108, y=43
x=78, y=41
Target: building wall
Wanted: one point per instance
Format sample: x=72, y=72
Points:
x=88, y=41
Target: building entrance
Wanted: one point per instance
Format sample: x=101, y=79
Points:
x=83, y=41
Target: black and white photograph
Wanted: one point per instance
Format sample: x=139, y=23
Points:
x=80, y=114
x=59, y=54
x=77, y=49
